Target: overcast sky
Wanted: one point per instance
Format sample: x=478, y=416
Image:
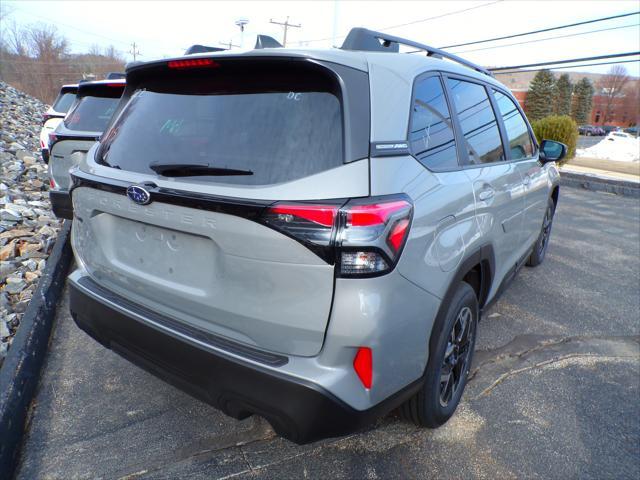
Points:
x=166, y=28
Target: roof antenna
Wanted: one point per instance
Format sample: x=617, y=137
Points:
x=265, y=41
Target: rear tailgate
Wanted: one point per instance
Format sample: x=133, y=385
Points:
x=197, y=251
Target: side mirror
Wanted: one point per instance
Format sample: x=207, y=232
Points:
x=552, y=151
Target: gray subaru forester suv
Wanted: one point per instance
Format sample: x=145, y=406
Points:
x=309, y=235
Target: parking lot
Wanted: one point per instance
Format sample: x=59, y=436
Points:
x=554, y=389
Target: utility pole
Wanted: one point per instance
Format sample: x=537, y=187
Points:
x=229, y=44
x=286, y=26
x=134, y=51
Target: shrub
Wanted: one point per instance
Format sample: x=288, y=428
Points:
x=560, y=128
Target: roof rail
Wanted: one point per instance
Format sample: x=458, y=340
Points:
x=370, y=40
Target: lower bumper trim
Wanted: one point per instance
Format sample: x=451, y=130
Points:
x=298, y=410
x=61, y=204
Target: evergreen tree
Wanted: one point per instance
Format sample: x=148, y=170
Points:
x=564, y=88
x=541, y=96
x=582, y=101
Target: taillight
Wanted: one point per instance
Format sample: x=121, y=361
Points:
x=52, y=140
x=307, y=222
x=364, y=237
x=193, y=63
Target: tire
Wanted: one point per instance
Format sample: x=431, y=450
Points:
x=541, y=245
x=436, y=401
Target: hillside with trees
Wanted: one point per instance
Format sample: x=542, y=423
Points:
x=37, y=60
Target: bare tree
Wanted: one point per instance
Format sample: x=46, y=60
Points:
x=611, y=86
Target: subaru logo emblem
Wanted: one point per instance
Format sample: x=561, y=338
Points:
x=138, y=194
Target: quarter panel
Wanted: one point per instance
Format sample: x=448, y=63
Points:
x=444, y=208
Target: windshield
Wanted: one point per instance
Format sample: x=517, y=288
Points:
x=277, y=135
x=91, y=114
x=64, y=102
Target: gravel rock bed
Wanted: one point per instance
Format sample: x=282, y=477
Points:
x=28, y=228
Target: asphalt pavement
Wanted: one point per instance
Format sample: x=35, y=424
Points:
x=585, y=141
x=554, y=389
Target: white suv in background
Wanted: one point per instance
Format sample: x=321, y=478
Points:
x=54, y=115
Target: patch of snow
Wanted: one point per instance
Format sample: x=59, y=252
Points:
x=616, y=146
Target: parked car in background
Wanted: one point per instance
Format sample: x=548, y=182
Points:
x=607, y=129
x=590, y=130
x=632, y=131
x=54, y=115
x=94, y=105
x=275, y=233
x=620, y=134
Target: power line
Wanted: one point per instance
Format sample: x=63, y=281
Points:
x=574, y=60
x=569, y=66
x=286, y=26
x=68, y=26
x=541, y=30
x=547, y=38
x=454, y=12
x=228, y=44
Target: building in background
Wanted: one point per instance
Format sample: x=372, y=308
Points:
x=623, y=111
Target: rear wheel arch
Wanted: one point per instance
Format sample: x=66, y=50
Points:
x=479, y=264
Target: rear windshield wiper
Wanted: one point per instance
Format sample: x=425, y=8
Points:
x=194, y=169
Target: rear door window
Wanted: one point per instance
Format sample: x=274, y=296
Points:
x=63, y=102
x=520, y=144
x=277, y=129
x=431, y=136
x=478, y=121
x=91, y=114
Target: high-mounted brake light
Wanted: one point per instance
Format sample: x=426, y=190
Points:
x=363, y=366
x=193, y=63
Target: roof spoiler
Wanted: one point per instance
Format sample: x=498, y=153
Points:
x=372, y=41
x=265, y=41
x=201, y=49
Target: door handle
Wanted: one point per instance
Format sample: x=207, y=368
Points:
x=526, y=180
x=486, y=194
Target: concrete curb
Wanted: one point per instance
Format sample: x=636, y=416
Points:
x=600, y=184
x=20, y=371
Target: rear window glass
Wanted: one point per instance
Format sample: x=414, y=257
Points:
x=276, y=129
x=63, y=102
x=91, y=114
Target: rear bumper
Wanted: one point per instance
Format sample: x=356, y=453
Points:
x=299, y=410
x=61, y=204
